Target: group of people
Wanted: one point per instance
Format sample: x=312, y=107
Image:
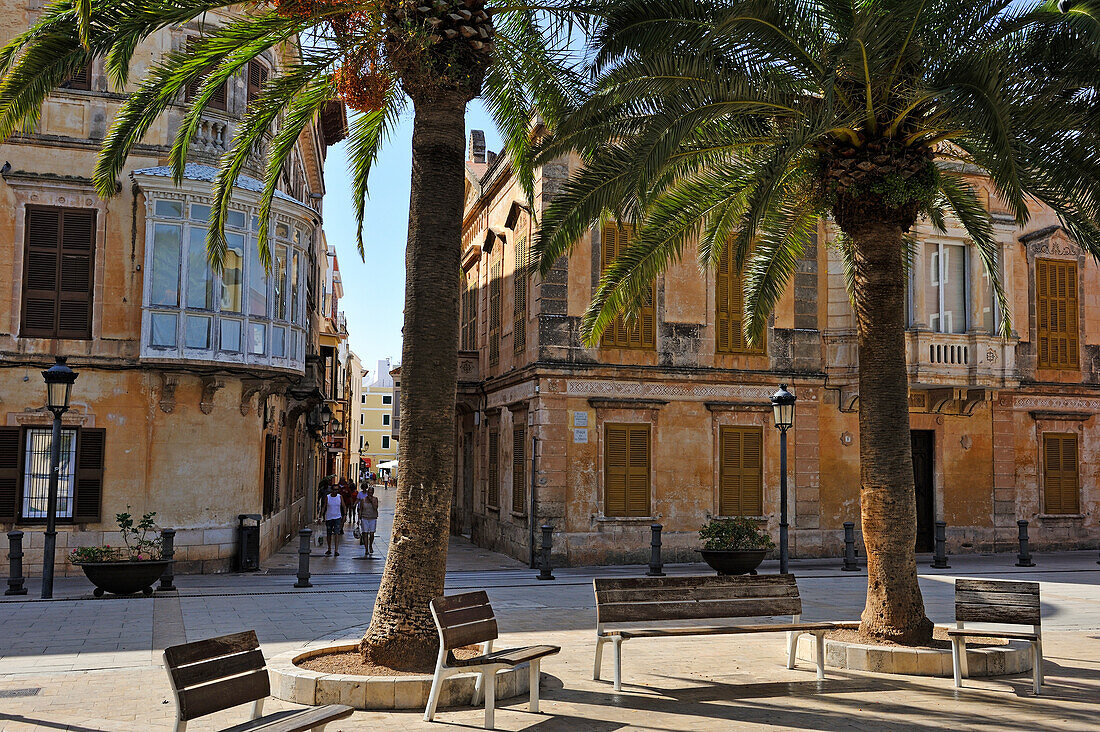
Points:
x=342, y=502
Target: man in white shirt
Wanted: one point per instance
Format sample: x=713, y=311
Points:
x=334, y=518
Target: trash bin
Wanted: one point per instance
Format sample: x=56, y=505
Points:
x=248, y=542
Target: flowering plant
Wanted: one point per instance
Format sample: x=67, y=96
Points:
x=137, y=547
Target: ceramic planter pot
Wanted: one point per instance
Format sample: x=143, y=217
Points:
x=124, y=578
x=735, y=561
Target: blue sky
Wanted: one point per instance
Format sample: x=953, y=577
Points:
x=374, y=289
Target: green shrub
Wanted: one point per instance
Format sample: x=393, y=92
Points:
x=734, y=534
x=137, y=546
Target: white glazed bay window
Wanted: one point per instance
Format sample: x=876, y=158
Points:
x=950, y=290
x=246, y=314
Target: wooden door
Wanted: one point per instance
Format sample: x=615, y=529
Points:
x=924, y=443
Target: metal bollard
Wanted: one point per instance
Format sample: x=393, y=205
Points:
x=547, y=538
x=850, y=547
x=167, y=551
x=939, y=559
x=655, y=563
x=16, y=580
x=1025, y=553
x=303, y=558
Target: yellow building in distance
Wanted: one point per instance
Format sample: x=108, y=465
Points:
x=375, y=443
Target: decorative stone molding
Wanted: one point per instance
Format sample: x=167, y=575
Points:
x=1069, y=404
x=249, y=388
x=736, y=406
x=1038, y=414
x=597, y=403
x=657, y=390
x=1053, y=240
x=168, y=384
x=210, y=386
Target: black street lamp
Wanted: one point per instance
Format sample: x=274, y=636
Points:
x=59, y=385
x=783, y=409
x=326, y=416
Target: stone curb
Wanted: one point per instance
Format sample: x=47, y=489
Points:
x=293, y=683
x=1015, y=658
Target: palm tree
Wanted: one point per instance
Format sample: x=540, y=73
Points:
x=377, y=56
x=740, y=123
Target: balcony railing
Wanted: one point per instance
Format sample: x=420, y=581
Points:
x=960, y=359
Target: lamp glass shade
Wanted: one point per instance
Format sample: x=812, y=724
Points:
x=783, y=407
x=326, y=416
x=59, y=385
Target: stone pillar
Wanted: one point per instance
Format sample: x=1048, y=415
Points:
x=1004, y=473
x=805, y=451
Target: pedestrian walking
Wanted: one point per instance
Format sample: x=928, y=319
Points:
x=367, y=508
x=334, y=519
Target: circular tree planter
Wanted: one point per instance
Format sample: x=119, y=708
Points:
x=293, y=683
x=733, y=561
x=124, y=578
x=1013, y=658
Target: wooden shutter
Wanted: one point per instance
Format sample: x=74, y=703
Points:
x=10, y=452
x=269, y=474
x=519, y=325
x=257, y=77
x=469, y=312
x=626, y=470
x=1060, y=473
x=219, y=99
x=81, y=79
x=730, y=308
x=740, y=471
x=58, y=273
x=1056, y=313
x=494, y=314
x=90, y=449
x=519, y=463
x=493, y=498
x=640, y=330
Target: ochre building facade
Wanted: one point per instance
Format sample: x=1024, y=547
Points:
x=668, y=419
x=197, y=390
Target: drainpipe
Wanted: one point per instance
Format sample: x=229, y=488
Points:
x=531, y=510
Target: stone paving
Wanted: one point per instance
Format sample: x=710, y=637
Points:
x=86, y=664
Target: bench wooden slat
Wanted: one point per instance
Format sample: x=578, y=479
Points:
x=1019, y=599
x=199, y=701
x=657, y=583
x=510, y=656
x=975, y=633
x=457, y=602
x=986, y=613
x=216, y=668
x=713, y=592
x=462, y=616
x=755, y=607
x=295, y=720
x=204, y=650
x=1031, y=588
x=464, y=635
x=720, y=630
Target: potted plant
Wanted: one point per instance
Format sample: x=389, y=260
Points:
x=127, y=569
x=734, y=545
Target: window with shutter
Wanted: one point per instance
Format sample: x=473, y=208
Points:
x=58, y=273
x=257, y=77
x=519, y=326
x=493, y=497
x=638, y=331
x=729, y=309
x=81, y=79
x=9, y=474
x=219, y=99
x=469, y=312
x=270, y=458
x=626, y=470
x=1056, y=313
x=494, y=314
x=1060, y=474
x=519, y=463
x=740, y=471
x=91, y=448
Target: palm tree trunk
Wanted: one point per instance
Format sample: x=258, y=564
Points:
x=894, y=609
x=402, y=633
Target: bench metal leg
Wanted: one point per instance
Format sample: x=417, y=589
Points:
x=433, y=696
x=955, y=665
x=490, y=698
x=181, y=726
x=1037, y=668
x=533, y=705
x=479, y=686
x=600, y=640
x=257, y=709
x=792, y=647
x=819, y=643
x=618, y=641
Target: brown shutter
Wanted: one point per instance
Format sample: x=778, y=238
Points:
x=219, y=99
x=257, y=77
x=81, y=79
x=269, y=474
x=40, y=280
x=494, y=314
x=494, y=469
x=519, y=325
x=74, y=316
x=1056, y=309
x=91, y=445
x=519, y=462
x=59, y=273
x=637, y=489
x=1060, y=474
x=639, y=331
x=10, y=453
x=615, y=470
x=740, y=471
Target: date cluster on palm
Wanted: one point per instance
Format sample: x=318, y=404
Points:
x=307, y=8
x=462, y=21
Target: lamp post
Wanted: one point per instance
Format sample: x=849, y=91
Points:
x=783, y=409
x=59, y=385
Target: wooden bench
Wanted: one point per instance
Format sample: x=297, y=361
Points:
x=467, y=619
x=1000, y=602
x=640, y=599
x=211, y=675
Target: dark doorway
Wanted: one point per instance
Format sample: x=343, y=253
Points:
x=924, y=444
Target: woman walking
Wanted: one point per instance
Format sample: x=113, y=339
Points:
x=367, y=505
